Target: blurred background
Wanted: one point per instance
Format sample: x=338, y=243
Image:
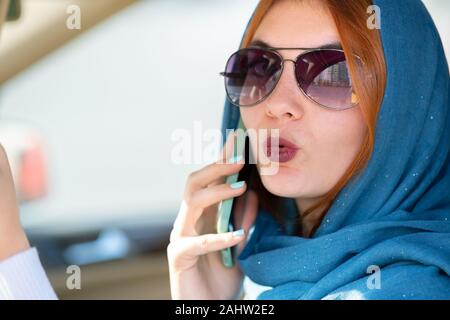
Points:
x=87, y=115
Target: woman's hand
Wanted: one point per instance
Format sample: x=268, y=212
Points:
x=12, y=236
x=195, y=264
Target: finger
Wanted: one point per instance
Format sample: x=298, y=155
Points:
x=210, y=174
x=226, y=154
x=184, y=224
x=212, y=195
x=200, y=245
x=204, y=199
x=192, y=208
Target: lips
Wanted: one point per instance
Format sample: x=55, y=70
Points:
x=282, y=150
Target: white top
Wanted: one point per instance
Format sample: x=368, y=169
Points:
x=22, y=277
x=252, y=289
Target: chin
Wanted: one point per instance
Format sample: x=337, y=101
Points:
x=285, y=183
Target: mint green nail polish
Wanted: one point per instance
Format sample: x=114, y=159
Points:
x=238, y=233
x=237, y=185
x=235, y=159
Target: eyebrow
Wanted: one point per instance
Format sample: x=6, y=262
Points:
x=263, y=44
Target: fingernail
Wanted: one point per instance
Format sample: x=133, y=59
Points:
x=230, y=135
x=238, y=233
x=235, y=159
x=237, y=185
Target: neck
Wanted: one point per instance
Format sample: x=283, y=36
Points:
x=313, y=218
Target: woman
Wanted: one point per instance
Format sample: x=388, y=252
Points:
x=368, y=190
x=361, y=210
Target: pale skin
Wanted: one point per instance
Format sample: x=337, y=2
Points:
x=329, y=141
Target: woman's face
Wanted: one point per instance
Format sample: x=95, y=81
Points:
x=328, y=139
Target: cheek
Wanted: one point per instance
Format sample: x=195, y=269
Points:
x=337, y=141
x=332, y=140
x=253, y=117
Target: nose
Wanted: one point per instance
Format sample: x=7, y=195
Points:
x=285, y=102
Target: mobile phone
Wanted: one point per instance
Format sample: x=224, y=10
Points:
x=225, y=221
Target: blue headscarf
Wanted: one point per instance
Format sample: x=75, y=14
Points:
x=395, y=215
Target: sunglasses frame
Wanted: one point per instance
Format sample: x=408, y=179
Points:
x=275, y=51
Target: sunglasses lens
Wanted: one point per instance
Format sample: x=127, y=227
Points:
x=324, y=77
x=250, y=75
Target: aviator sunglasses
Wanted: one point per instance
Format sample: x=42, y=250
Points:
x=251, y=74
